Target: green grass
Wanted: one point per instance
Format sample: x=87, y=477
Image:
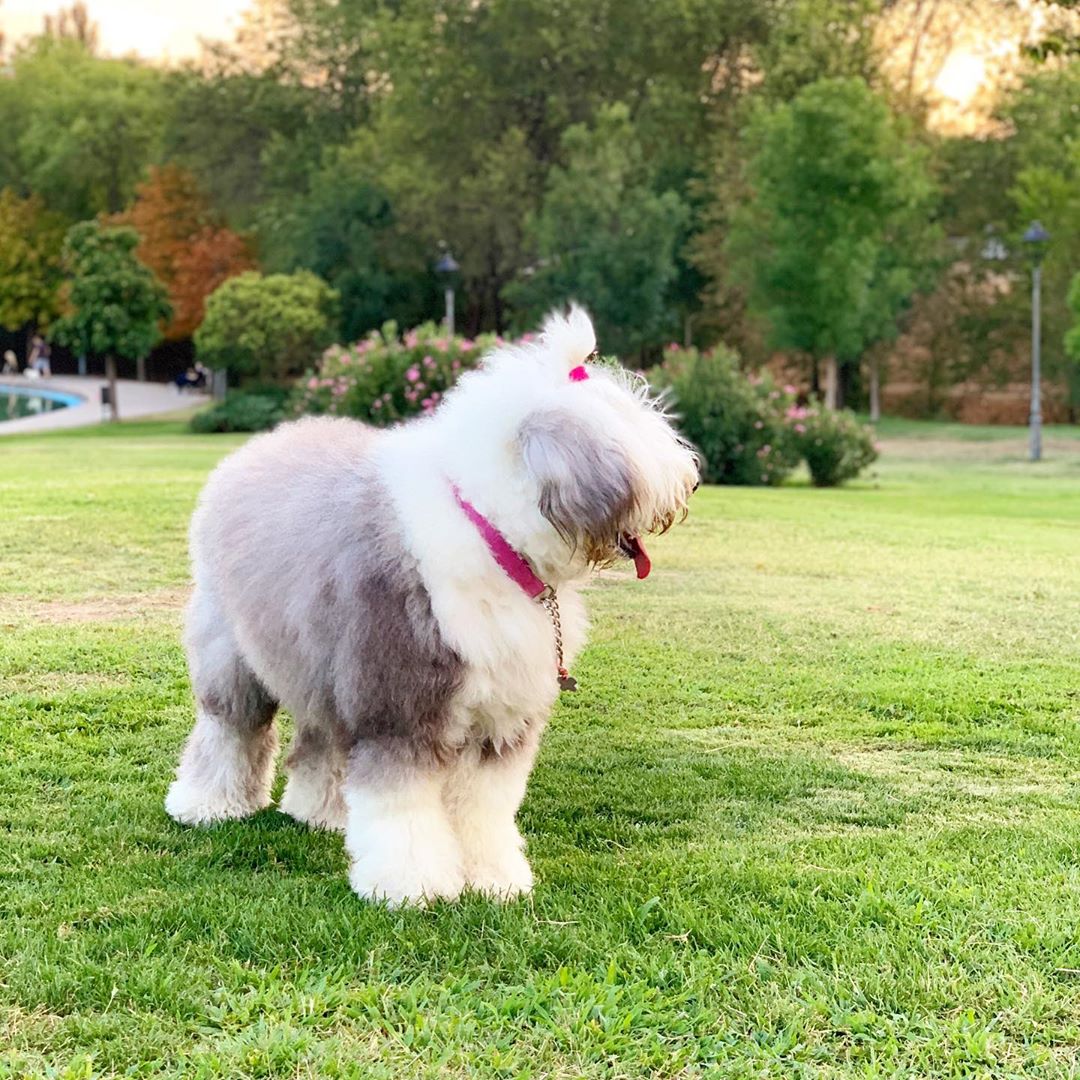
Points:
x=813, y=813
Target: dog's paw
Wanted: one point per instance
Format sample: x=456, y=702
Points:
x=189, y=805
x=502, y=878
x=397, y=884
x=318, y=810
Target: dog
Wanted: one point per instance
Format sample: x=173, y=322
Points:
x=412, y=596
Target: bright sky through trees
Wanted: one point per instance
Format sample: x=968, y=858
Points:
x=151, y=28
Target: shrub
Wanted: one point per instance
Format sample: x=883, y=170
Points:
x=383, y=378
x=737, y=424
x=834, y=444
x=240, y=412
x=267, y=326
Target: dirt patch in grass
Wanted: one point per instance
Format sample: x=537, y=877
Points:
x=973, y=774
x=52, y=683
x=16, y=610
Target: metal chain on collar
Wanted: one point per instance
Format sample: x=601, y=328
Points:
x=551, y=604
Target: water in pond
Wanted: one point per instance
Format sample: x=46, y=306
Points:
x=16, y=401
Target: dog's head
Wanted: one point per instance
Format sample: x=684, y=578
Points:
x=587, y=455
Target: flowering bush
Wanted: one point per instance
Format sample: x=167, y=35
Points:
x=751, y=431
x=383, y=378
x=834, y=444
x=737, y=423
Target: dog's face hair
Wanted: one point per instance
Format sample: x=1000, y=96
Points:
x=608, y=466
x=585, y=481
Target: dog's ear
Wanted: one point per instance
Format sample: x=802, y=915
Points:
x=585, y=480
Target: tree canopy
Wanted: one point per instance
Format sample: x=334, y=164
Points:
x=768, y=173
x=113, y=305
x=604, y=235
x=834, y=237
x=30, y=268
x=184, y=243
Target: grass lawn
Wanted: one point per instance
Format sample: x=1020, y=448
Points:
x=815, y=810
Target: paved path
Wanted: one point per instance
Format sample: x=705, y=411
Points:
x=134, y=399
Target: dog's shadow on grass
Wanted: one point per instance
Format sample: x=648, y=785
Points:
x=650, y=790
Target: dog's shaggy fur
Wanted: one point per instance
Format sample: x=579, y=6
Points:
x=336, y=574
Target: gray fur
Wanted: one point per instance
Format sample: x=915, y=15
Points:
x=586, y=480
x=331, y=612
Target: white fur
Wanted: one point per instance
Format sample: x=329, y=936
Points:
x=425, y=831
x=314, y=794
x=217, y=779
x=401, y=842
x=482, y=803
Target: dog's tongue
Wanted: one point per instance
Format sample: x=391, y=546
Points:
x=641, y=558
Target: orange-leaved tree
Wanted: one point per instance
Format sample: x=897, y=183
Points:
x=185, y=243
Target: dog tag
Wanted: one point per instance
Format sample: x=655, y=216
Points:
x=567, y=682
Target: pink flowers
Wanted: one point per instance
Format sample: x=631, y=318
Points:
x=384, y=379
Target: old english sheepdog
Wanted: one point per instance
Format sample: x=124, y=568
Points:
x=411, y=595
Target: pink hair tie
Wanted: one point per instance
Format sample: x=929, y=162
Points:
x=578, y=374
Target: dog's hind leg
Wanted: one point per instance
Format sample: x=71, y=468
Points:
x=316, y=767
x=227, y=765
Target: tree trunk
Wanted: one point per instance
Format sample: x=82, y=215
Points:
x=831, y=382
x=875, y=388
x=140, y=369
x=110, y=374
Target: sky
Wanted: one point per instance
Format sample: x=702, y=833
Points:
x=157, y=29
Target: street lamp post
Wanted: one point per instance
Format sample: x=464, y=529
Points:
x=446, y=268
x=1036, y=236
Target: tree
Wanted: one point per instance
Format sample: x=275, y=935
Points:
x=1072, y=335
x=1046, y=151
x=344, y=230
x=604, y=237
x=465, y=141
x=114, y=305
x=835, y=236
x=79, y=130
x=74, y=23
x=268, y=326
x=184, y=243
x=30, y=268
x=246, y=137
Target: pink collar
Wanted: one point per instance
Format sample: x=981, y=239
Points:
x=514, y=564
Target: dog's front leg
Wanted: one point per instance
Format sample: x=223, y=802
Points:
x=397, y=832
x=483, y=795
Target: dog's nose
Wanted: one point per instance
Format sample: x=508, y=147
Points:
x=697, y=484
